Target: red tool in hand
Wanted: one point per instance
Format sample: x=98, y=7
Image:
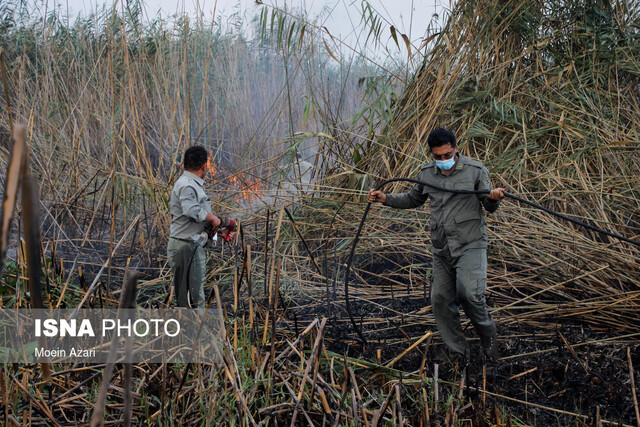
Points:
x=228, y=230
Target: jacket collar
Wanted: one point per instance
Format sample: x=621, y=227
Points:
x=195, y=177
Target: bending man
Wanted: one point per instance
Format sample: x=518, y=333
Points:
x=459, y=238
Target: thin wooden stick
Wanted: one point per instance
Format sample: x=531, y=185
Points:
x=411, y=347
x=633, y=387
x=304, y=242
x=127, y=301
x=436, y=386
x=484, y=385
x=12, y=183
x=484, y=368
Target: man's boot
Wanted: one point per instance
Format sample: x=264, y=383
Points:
x=490, y=349
x=458, y=359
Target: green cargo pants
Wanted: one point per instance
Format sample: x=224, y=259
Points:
x=462, y=281
x=179, y=254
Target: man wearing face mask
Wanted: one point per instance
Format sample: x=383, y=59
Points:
x=459, y=238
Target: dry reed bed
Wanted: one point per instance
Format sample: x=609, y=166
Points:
x=550, y=115
x=279, y=373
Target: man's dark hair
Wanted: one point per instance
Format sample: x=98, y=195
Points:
x=195, y=157
x=439, y=137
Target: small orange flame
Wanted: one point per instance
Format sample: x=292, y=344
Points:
x=249, y=188
x=211, y=167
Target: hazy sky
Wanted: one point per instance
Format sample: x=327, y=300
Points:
x=340, y=17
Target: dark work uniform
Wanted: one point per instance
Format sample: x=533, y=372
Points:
x=459, y=237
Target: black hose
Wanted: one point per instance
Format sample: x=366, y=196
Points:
x=193, y=255
x=207, y=229
x=447, y=190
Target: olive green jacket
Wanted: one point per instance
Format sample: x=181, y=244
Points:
x=457, y=221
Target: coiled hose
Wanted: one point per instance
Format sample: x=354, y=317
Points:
x=478, y=192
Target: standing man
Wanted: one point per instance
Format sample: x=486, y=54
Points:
x=459, y=238
x=190, y=209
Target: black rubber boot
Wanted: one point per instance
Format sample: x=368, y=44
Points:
x=490, y=350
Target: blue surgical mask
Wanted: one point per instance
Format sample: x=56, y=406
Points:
x=445, y=165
